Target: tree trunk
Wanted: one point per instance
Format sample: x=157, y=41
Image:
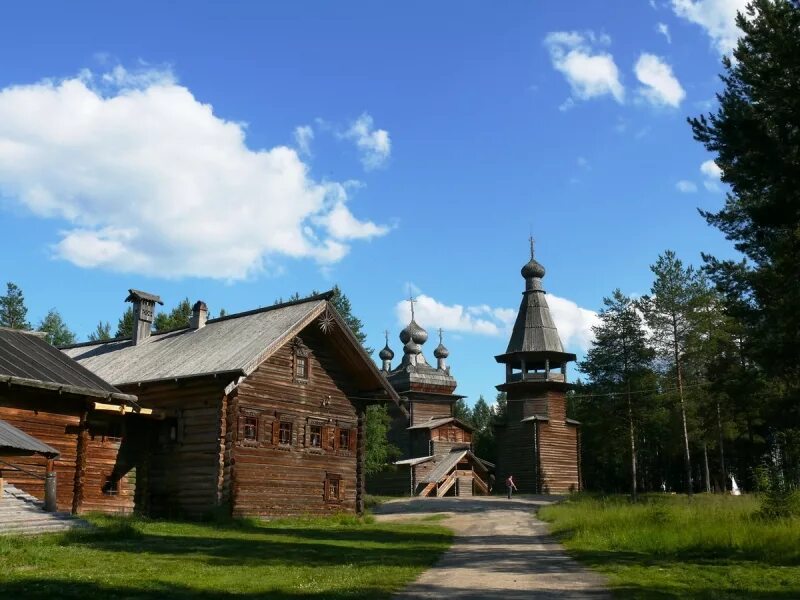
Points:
x=678, y=369
x=705, y=467
x=632, y=433
x=721, y=452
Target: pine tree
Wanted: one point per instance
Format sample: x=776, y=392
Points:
x=483, y=436
x=176, y=318
x=125, y=324
x=619, y=360
x=13, y=312
x=668, y=313
x=101, y=332
x=58, y=334
x=755, y=137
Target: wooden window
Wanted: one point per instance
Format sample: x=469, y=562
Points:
x=334, y=487
x=251, y=429
x=301, y=367
x=248, y=433
x=111, y=486
x=301, y=363
x=344, y=439
x=285, y=433
x=451, y=434
x=315, y=436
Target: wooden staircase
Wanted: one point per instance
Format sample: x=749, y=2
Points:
x=21, y=513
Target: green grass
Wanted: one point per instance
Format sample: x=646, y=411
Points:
x=672, y=547
x=338, y=557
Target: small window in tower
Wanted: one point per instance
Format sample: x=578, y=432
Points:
x=315, y=436
x=251, y=429
x=285, y=434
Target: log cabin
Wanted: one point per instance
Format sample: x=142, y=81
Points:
x=264, y=411
x=436, y=447
x=78, y=462
x=537, y=443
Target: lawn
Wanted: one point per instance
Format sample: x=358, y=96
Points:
x=672, y=547
x=332, y=558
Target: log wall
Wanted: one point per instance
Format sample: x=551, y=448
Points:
x=56, y=420
x=270, y=478
x=181, y=457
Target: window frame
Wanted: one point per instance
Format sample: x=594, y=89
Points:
x=333, y=482
x=290, y=424
x=301, y=351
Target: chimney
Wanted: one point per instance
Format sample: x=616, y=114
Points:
x=144, y=311
x=199, y=315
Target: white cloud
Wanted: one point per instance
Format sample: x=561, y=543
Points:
x=663, y=29
x=149, y=180
x=712, y=174
x=374, y=144
x=710, y=169
x=573, y=322
x=661, y=87
x=686, y=187
x=717, y=17
x=303, y=135
x=590, y=72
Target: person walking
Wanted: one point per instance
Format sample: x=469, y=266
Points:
x=510, y=486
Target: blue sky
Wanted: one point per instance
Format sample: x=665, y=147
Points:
x=238, y=152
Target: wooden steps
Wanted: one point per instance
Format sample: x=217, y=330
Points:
x=464, y=488
x=21, y=513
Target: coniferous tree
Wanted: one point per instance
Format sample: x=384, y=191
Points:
x=13, y=312
x=755, y=137
x=176, y=318
x=619, y=361
x=58, y=334
x=483, y=436
x=125, y=324
x=668, y=312
x=101, y=333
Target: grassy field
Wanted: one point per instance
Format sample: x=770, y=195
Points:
x=672, y=547
x=333, y=558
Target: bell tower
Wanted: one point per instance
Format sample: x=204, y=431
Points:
x=537, y=444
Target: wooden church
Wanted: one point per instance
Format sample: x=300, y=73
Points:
x=436, y=447
x=537, y=443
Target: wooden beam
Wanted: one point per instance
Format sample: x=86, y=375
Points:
x=123, y=409
x=80, y=463
x=361, y=451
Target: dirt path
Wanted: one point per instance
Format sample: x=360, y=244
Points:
x=500, y=550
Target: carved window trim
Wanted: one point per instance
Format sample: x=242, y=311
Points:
x=301, y=362
x=334, y=488
x=252, y=428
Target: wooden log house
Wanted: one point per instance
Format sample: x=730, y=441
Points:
x=264, y=410
x=437, y=457
x=77, y=419
x=537, y=444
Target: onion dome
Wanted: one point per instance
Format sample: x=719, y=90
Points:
x=532, y=269
x=387, y=353
x=441, y=351
x=413, y=333
x=412, y=348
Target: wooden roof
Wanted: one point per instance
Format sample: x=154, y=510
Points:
x=15, y=442
x=233, y=345
x=26, y=359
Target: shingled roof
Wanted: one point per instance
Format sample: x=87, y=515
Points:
x=18, y=443
x=26, y=359
x=232, y=345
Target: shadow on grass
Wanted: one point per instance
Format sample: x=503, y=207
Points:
x=48, y=589
x=267, y=545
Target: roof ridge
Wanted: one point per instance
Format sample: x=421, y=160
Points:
x=316, y=297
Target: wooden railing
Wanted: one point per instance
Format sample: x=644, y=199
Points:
x=445, y=487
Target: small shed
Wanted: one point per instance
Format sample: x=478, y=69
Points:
x=64, y=427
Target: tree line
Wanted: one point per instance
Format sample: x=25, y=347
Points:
x=700, y=379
